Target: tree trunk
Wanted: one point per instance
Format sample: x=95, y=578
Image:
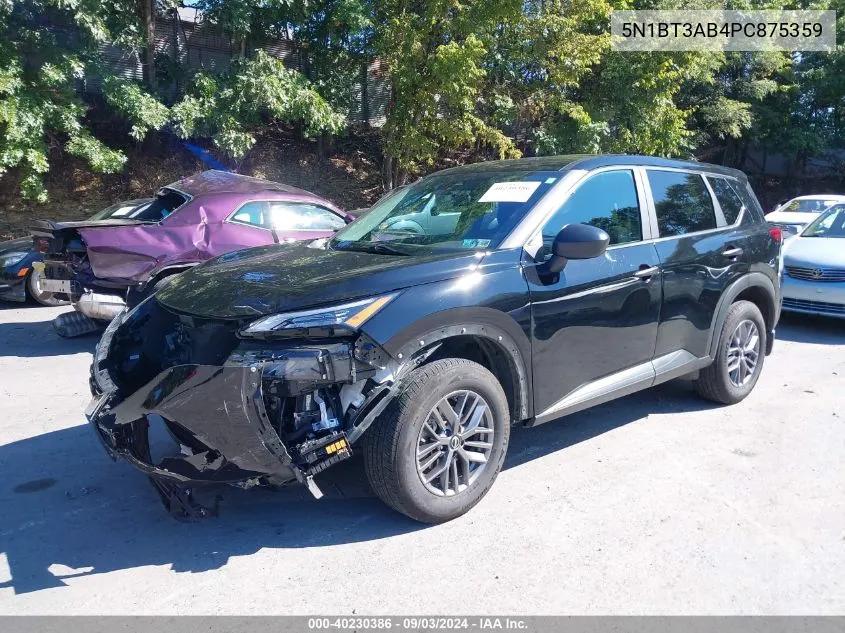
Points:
x=365, y=94
x=387, y=173
x=149, y=11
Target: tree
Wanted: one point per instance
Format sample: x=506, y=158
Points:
x=227, y=106
x=435, y=53
x=47, y=48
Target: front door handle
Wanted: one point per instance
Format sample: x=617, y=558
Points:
x=647, y=273
x=732, y=252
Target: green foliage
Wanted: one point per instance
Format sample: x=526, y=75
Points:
x=39, y=70
x=469, y=79
x=135, y=104
x=227, y=106
x=435, y=53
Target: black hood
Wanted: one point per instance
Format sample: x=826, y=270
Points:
x=281, y=278
x=21, y=244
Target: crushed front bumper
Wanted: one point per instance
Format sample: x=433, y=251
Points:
x=218, y=416
x=217, y=411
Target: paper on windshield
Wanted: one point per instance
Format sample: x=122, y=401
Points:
x=510, y=192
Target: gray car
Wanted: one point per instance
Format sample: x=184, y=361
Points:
x=814, y=262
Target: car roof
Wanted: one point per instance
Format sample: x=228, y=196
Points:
x=820, y=196
x=217, y=181
x=589, y=162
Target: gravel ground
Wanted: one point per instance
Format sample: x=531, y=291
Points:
x=656, y=503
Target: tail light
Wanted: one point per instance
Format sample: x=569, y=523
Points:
x=777, y=234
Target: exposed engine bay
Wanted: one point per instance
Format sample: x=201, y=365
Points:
x=243, y=412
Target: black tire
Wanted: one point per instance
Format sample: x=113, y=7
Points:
x=390, y=445
x=41, y=298
x=714, y=382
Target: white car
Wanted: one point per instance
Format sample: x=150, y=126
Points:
x=794, y=215
x=814, y=261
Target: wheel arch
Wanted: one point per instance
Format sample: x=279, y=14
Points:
x=474, y=337
x=757, y=288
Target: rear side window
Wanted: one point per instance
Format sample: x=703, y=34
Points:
x=296, y=216
x=607, y=200
x=727, y=197
x=682, y=202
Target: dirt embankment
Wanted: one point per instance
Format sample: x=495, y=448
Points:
x=349, y=176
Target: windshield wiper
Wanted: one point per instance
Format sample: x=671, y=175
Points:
x=382, y=248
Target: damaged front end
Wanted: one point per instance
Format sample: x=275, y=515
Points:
x=244, y=406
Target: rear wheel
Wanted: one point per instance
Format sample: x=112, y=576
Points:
x=739, y=357
x=33, y=289
x=438, y=447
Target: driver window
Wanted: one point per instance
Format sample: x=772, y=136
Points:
x=607, y=200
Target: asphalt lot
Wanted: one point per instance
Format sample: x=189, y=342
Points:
x=657, y=503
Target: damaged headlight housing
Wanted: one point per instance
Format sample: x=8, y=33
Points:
x=350, y=316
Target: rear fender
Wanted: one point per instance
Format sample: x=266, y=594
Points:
x=766, y=289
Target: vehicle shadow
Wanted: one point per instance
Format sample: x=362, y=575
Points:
x=807, y=328
x=38, y=338
x=673, y=397
x=69, y=512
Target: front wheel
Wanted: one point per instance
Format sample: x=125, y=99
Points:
x=438, y=447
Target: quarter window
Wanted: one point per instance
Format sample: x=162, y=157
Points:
x=727, y=197
x=607, y=200
x=294, y=216
x=682, y=202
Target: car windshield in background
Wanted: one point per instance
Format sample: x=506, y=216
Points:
x=829, y=224
x=124, y=209
x=807, y=206
x=459, y=210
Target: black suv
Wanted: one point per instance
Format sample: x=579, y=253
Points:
x=478, y=297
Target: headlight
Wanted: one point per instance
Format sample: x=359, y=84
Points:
x=11, y=258
x=347, y=315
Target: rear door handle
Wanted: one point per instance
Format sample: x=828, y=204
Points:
x=647, y=273
x=732, y=252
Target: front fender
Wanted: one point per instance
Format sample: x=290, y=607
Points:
x=492, y=306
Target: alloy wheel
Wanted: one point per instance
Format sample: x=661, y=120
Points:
x=455, y=443
x=743, y=353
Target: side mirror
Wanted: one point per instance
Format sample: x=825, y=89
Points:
x=577, y=241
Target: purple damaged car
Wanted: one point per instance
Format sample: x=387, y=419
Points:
x=100, y=265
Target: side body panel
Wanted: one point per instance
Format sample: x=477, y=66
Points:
x=198, y=231
x=595, y=320
x=698, y=270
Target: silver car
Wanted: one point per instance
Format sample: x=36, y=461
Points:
x=814, y=262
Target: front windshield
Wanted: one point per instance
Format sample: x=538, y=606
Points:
x=829, y=224
x=816, y=205
x=449, y=210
